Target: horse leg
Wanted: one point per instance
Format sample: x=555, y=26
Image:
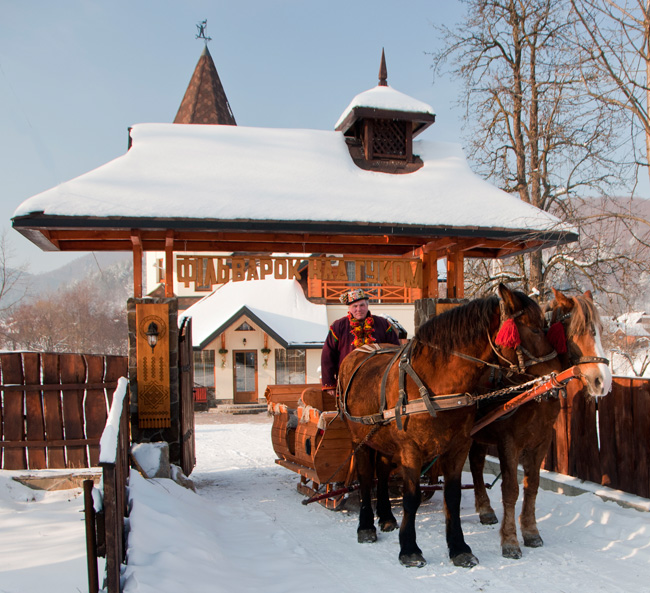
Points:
x=364, y=458
x=508, y=458
x=387, y=521
x=410, y=554
x=532, y=462
x=459, y=552
x=484, y=509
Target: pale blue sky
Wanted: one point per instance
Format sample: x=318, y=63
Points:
x=75, y=74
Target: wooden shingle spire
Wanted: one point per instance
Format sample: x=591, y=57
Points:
x=383, y=71
x=205, y=101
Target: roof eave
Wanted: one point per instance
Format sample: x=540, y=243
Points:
x=80, y=233
x=421, y=120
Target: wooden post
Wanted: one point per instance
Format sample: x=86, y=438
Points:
x=429, y=275
x=137, y=263
x=169, y=264
x=455, y=276
x=91, y=537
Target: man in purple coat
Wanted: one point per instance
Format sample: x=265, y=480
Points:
x=357, y=328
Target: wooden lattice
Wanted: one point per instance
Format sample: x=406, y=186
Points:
x=389, y=139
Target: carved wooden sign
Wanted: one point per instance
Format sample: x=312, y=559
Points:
x=206, y=271
x=152, y=346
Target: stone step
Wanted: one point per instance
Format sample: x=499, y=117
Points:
x=242, y=408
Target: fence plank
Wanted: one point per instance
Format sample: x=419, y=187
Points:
x=53, y=411
x=585, y=461
x=641, y=415
x=607, y=434
x=624, y=426
x=116, y=367
x=562, y=427
x=34, y=412
x=95, y=405
x=73, y=370
x=14, y=407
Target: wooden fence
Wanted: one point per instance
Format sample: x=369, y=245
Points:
x=54, y=408
x=105, y=529
x=606, y=441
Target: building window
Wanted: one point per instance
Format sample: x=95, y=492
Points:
x=289, y=367
x=204, y=368
x=245, y=327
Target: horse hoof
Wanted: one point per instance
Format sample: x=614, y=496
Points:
x=488, y=518
x=465, y=560
x=388, y=525
x=367, y=536
x=412, y=560
x=533, y=541
x=511, y=551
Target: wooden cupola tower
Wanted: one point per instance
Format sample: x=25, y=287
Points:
x=380, y=124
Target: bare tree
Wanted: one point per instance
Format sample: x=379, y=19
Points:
x=613, y=38
x=535, y=131
x=12, y=287
x=77, y=319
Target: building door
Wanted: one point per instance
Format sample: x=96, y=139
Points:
x=245, y=377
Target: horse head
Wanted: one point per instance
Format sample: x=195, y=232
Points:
x=520, y=337
x=574, y=329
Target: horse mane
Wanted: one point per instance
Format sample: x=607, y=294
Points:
x=584, y=316
x=455, y=328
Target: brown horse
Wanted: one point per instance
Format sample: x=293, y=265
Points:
x=526, y=434
x=447, y=356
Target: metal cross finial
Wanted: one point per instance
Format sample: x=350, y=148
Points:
x=201, y=27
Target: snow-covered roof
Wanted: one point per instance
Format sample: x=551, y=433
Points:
x=235, y=173
x=278, y=306
x=632, y=317
x=385, y=98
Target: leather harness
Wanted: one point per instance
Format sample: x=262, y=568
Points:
x=436, y=403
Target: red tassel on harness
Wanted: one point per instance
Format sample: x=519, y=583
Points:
x=557, y=337
x=508, y=335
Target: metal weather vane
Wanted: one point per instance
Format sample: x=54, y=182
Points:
x=201, y=28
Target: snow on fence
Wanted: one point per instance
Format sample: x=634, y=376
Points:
x=54, y=408
x=105, y=507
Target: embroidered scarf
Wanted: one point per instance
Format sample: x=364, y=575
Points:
x=362, y=330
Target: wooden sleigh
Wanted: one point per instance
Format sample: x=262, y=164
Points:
x=310, y=438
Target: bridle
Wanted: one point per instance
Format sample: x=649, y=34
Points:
x=525, y=358
x=562, y=318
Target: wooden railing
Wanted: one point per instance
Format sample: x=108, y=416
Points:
x=331, y=291
x=54, y=408
x=105, y=523
x=606, y=441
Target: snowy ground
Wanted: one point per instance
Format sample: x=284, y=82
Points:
x=246, y=531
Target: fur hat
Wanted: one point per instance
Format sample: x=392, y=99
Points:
x=353, y=295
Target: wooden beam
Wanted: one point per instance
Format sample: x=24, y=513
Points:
x=169, y=264
x=137, y=263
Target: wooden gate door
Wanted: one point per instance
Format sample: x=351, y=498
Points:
x=245, y=377
x=186, y=384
